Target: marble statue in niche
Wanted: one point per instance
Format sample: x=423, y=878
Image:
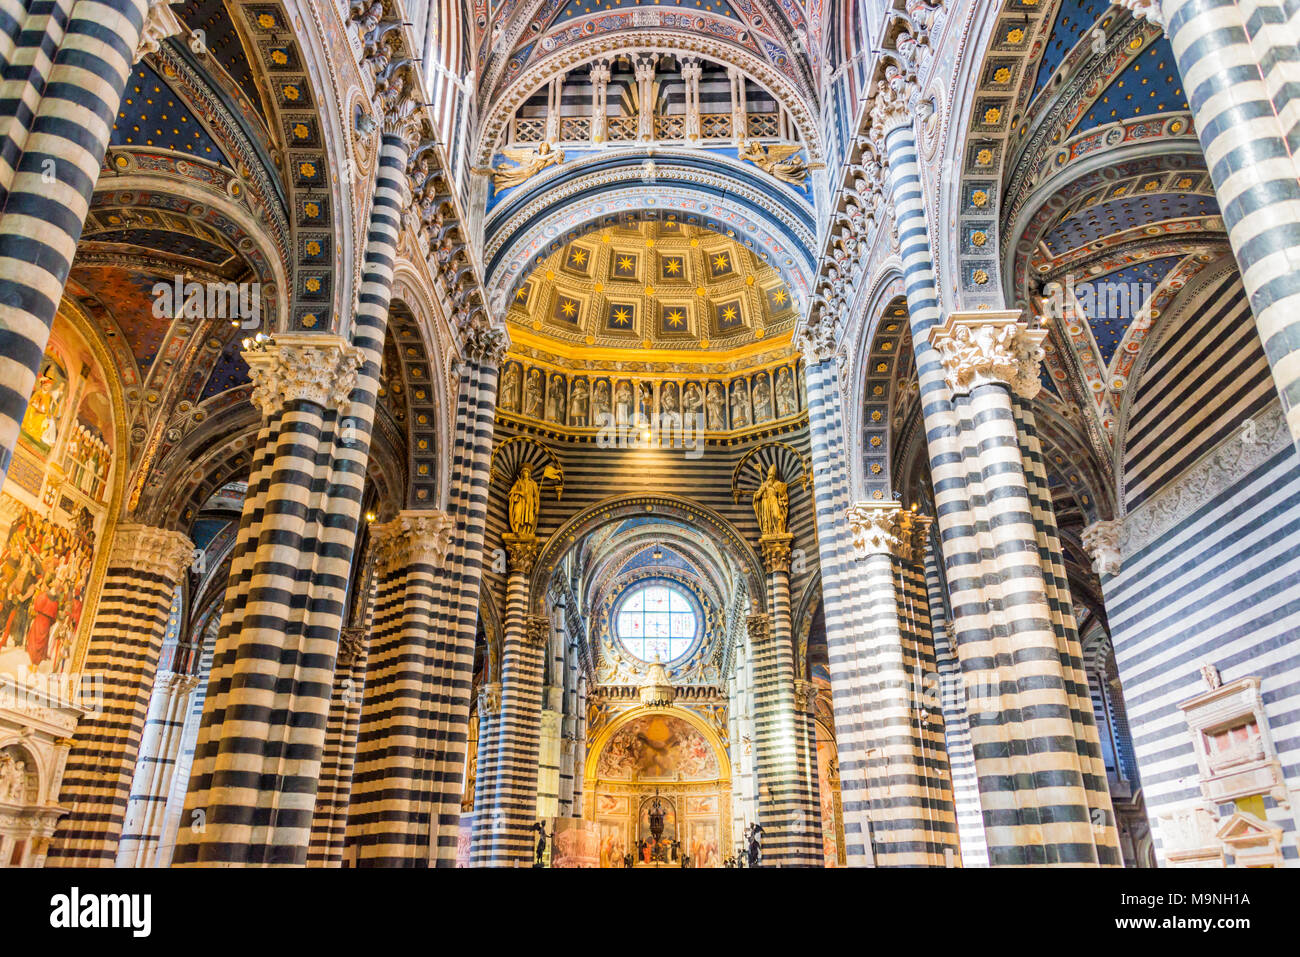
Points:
x=787, y=400
x=739, y=404
x=762, y=398
x=510, y=388
x=579, y=402
x=555, y=400
x=623, y=401
x=533, y=394
x=717, y=407
x=600, y=403
x=692, y=400
x=645, y=402
x=668, y=398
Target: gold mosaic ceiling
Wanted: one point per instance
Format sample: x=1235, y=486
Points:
x=652, y=286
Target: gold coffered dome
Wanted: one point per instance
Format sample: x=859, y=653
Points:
x=652, y=287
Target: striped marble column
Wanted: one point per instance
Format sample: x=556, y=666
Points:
x=502, y=821
x=159, y=748
x=901, y=780
x=56, y=119
x=397, y=787
x=1024, y=675
x=489, y=711
x=956, y=724
x=338, y=761
x=840, y=587
x=787, y=807
x=1238, y=64
x=145, y=565
x=272, y=676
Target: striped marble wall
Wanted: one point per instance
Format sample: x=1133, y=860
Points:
x=1210, y=568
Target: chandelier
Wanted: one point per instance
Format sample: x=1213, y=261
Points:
x=657, y=690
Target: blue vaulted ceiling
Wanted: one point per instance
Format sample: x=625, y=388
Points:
x=1147, y=86
x=1073, y=19
x=1127, y=212
x=153, y=115
x=1139, y=283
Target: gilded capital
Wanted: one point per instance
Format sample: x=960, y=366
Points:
x=1101, y=540
x=979, y=348
x=317, y=368
x=776, y=552
x=352, y=642
x=148, y=549
x=522, y=552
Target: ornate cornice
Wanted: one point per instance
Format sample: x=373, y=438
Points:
x=984, y=347
x=1257, y=441
x=312, y=367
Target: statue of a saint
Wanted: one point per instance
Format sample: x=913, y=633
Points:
x=771, y=503
x=525, y=497
x=755, y=838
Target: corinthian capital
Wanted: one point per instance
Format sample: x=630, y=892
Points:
x=759, y=628
x=159, y=24
x=537, y=630
x=522, y=551
x=1101, y=542
x=428, y=532
x=318, y=368
x=489, y=698
x=148, y=549
x=1148, y=10
x=877, y=528
x=483, y=343
x=978, y=348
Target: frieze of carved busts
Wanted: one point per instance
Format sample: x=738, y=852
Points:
x=979, y=348
x=891, y=107
x=1101, y=540
x=315, y=367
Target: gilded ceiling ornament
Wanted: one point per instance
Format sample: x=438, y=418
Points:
x=530, y=163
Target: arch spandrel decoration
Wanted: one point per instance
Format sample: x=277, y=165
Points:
x=698, y=726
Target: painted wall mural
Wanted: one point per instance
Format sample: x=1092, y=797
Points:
x=658, y=747
x=54, y=507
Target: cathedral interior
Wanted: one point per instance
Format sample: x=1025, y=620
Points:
x=695, y=434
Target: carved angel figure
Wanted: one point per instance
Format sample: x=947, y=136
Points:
x=531, y=162
x=782, y=160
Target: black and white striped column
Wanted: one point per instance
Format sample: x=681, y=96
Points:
x=905, y=778
x=330, y=818
x=398, y=783
x=273, y=674
x=64, y=85
x=502, y=820
x=1238, y=64
x=840, y=588
x=159, y=748
x=144, y=567
x=787, y=807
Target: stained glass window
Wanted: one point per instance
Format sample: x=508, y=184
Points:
x=656, y=620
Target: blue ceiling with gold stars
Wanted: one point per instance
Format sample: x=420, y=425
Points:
x=1111, y=313
x=1147, y=86
x=222, y=41
x=1127, y=212
x=1073, y=19
x=153, y=115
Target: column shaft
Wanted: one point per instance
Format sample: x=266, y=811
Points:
x=144, y=567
